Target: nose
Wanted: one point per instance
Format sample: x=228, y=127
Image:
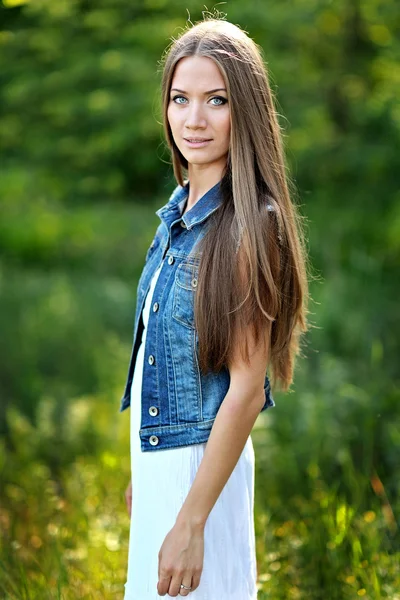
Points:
x=195, y=117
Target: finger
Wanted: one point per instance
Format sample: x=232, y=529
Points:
x=187, y=581
x=175, y=584
x=195, y=581
x=163, y=585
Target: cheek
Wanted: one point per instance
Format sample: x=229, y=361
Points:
x=227, y=127
x=171, y=117
x=225, y=121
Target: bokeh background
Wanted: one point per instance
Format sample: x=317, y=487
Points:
x=83, y=169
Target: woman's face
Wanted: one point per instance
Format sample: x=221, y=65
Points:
x=198, y=108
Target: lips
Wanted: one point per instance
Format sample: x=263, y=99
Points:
x=194, y=140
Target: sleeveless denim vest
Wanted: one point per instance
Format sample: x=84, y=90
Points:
x=179, y=404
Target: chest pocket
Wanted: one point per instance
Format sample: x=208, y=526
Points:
x=184, y=293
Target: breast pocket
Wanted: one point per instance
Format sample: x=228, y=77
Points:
x=184, y=293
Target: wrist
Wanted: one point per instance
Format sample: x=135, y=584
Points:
x=195, y=521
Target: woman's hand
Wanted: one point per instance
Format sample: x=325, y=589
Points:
x=128, y=498
x=180, y=559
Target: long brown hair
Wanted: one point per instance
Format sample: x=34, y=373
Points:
x=255, y=242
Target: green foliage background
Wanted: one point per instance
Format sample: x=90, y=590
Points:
x=83, y=169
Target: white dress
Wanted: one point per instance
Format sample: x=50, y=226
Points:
x=161, y=481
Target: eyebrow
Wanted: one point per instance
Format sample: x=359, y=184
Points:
x=205, y=93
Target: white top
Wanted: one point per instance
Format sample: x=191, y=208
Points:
x=161, y=481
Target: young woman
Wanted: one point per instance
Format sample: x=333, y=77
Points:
x=221, y=298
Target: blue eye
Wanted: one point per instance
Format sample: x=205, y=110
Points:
x=175, y=97
x=223, y=100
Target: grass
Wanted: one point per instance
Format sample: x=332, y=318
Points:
x=65, y=528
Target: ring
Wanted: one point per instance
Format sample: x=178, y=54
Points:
x=185, y=587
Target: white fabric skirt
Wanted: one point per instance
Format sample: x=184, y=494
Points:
x=161, y=481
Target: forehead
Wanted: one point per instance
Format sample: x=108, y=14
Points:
x=198, y=72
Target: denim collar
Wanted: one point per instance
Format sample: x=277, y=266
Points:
x=203, y=208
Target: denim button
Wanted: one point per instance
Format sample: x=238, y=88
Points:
x=153, y=439
x=153, y=411
x=155, y=307
x=183, y=224
x=194, y=282
x=151, y=359
x=170, y=260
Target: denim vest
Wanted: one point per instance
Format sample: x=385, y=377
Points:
x=179, y=404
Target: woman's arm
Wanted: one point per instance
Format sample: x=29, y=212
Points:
x=182, y=552
x=231, y=429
